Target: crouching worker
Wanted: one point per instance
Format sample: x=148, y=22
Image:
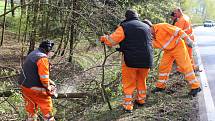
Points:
x=134, y=38
x=35, y=84
x=173, y=40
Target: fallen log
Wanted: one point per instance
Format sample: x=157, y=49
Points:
x=74, y=95
x=60, y=95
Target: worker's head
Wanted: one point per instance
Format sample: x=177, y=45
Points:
x=129, y=14
x=173, y=16
x=46, y=45
x=148, y=22
x=178, y=12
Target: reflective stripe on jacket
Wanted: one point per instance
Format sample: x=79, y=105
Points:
x=167, y=36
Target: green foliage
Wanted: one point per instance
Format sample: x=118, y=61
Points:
x=155, y=12
x=2, y=3
x=14, y=104
x=12, y=23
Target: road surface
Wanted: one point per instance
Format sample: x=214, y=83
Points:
x=205, y=37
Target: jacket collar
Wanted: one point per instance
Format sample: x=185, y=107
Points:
x=130, y=19
x=42, y=51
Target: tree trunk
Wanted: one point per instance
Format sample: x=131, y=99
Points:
x=12, y=6
x=71, y=41
x=26, y=27
x=72, y=29
x=34, y=27
x=23, y=8
x=65, y=45
x=20, y=26
x=3, y=26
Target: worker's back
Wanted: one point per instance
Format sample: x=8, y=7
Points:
x=29, y=74
x=136, y=46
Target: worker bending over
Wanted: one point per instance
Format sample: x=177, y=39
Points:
x=173, y=41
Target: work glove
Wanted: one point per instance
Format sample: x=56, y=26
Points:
x=189, y=43
x=52, y=91
x=52, y=82
x=102, y=38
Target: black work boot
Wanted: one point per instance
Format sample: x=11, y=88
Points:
x=128, y=111
x=138, y=103
x=194, y=92
x=158, y=90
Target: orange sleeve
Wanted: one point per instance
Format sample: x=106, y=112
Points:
x=183, y=35
x=181, y=23
x=115, y=38
x=43, y=71
x=156, y=44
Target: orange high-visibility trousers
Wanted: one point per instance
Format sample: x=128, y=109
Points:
x=35, y=99
x=190, y=52
x=180, y=54
x=134, y=79
x=194, y=64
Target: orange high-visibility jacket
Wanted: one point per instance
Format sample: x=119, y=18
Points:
x=167, y=36
x=185, y=24
x=115, y=38
x=43, y=71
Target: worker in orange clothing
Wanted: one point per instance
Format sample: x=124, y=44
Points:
x=36, y=86
x=183, y=22
x=134, y=38
x=170, y=39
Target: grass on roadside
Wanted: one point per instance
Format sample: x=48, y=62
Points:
x=173, y=105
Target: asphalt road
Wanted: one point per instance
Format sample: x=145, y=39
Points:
x=205, y=37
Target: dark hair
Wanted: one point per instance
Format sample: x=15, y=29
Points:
x=172, y=14
x=46, y=45
x=131, y=14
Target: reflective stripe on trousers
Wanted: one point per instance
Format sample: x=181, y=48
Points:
x=128, y=96
x=193, y=81
x=127, y=103
x=141, y=98
x=162, y=81
x=163, y=74
x=141, y=92
x=190, y=74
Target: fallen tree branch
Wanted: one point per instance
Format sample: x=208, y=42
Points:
x=6, y=94
x=74, y=95
x=60, y=95
x=6, y=77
